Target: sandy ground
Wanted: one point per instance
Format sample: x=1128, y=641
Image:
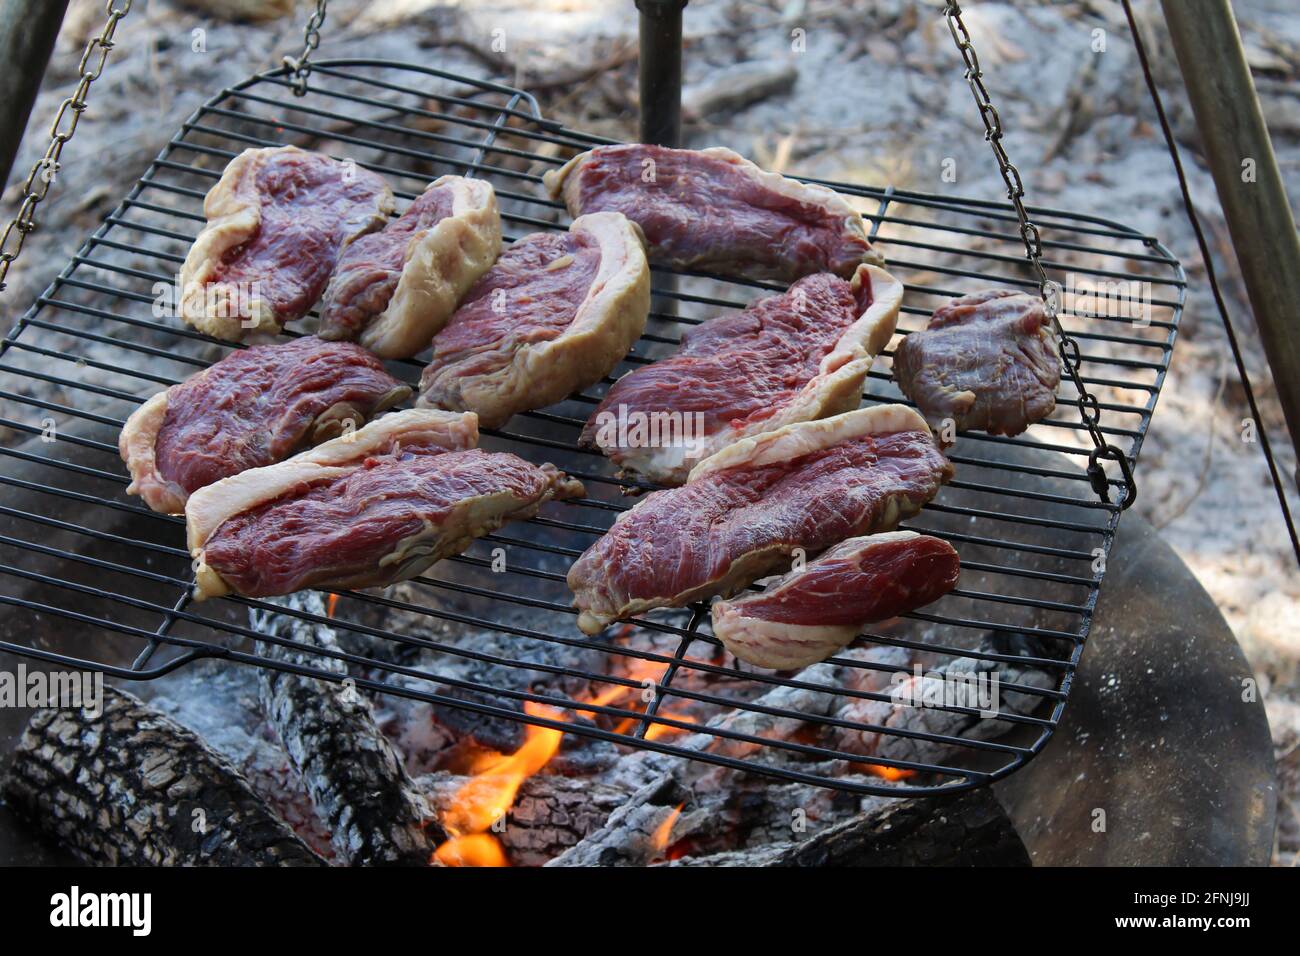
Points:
x=879, y=99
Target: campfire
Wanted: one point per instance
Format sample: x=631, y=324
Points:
x=364, y=779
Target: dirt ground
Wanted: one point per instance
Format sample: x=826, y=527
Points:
x=878, y=98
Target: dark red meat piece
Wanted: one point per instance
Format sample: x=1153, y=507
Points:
x=986, y=361
x=859, y=582
x=399, y=507
x=259, y=405
x=743, y=366
x=704, y=211
x=370, y=267
x=680, y=544
x=311, y=205
x=815, y=611
x=524, y=298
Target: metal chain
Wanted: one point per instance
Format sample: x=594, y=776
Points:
x=1089, y=407
x=311, y=40
x=45, y=169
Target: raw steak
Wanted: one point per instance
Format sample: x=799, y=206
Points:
x=714, y=210
x=255, y=407
x=363, y=510
x=554, y=315
x=811, y=613
x=394, y=289
x=787, y=358
x=985, y=361
x=744, y=511
x=277, y=220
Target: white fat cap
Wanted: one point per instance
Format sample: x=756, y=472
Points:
x=802, y=438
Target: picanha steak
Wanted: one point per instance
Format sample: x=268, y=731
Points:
x=277, y=220
x=744, y=511
x=394, y=289
x=814, y=611
x=255, y=407
x=554, y=315
x=793, y=357
x=985, y=361
x=714, y=210
x=367, y=509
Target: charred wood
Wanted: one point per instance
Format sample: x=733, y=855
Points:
x=550, y=814
x=742, y=817
x=966, y=830
x=628, y=836
x=355, y=777
x=131, y=787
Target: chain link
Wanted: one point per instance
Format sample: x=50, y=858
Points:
x=1089, y=407
x=45, y=169
x=311, y=40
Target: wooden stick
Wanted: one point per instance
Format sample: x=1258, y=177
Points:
x=1246, y=176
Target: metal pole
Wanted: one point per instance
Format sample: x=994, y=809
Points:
x=1240, y=155
x=28, y=29
x=661, y=71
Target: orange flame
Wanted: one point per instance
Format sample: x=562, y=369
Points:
x=609, y=696
x=662, y=836
x=655, y=731
x=477, y=849
x=890, y=773
x=495, y=779
x=643, y=670
x=490, y=794
x=331, y=605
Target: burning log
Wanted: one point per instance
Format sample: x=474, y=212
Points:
x=633, y=834
x=967, y=830
x=721, y=808
x=550, y=813
x=355, y=777
x=717, y=812
x=128, y=786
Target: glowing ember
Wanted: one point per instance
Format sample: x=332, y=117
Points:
x=609, y=696
x=477, y=849
x=642, y=670
x=662, y=836
x=655, y=731
x=332, y=605
x=890, y=773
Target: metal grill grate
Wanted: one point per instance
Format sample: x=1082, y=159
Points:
x=113, y=579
